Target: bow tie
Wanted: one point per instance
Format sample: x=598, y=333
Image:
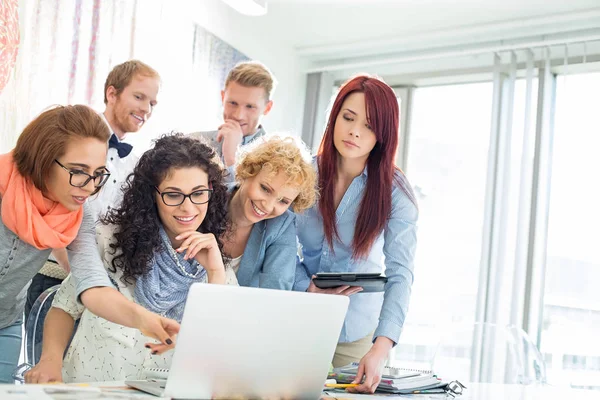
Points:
x=123, y=149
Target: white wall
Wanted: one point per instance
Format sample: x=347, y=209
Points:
x=247, y=35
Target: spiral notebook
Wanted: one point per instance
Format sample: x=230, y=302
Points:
x=395, y=380
x=156, y=373
x=388, y=372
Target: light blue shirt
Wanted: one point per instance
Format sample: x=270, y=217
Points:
x=394, y=248
x=269, y=259
x=248, y=139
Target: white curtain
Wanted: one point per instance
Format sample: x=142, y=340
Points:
x=518, y=179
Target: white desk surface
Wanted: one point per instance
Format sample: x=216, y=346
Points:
x=489, y=391
x=481, y=391
x=99, y=390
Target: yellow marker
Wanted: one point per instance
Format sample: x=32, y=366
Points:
x=341, y=385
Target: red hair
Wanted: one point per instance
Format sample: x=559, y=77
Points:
x=376, y=205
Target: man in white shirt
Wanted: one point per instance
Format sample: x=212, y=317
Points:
x=246, y=100
x=130, y=95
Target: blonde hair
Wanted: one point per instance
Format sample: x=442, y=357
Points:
x=253, y=74
x=281, y=154
x=122, y=74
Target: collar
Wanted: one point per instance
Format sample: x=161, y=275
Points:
x=249, y=138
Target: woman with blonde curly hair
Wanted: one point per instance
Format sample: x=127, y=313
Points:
x=273, y=175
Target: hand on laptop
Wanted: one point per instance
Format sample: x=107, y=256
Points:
x=230, y=133
x=371, y=366
x=343, y=290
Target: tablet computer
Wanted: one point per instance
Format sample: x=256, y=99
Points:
x=369, y=281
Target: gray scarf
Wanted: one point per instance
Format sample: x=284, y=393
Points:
x=164, y=288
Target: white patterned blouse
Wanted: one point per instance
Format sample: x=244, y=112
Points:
x=102, y=350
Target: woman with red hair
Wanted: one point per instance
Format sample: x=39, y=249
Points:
x=365, y=221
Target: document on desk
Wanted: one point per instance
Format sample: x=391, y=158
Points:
x=71, y=392
x=339, y=395
x=48, y=392
x=407, y=385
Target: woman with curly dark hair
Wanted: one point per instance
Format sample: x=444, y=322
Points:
x=163, y=237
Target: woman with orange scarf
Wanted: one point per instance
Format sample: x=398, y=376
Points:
x=58, y=162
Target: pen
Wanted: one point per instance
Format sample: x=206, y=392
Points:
x=341, y=385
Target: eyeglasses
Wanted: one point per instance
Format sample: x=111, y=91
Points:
x=454, y=388
x=174, y=199
x=79, y=178
x=19, y=372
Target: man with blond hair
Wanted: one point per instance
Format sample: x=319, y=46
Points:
x=247, y=98
x=130, y=95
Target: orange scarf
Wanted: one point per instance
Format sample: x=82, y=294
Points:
x=36, y=220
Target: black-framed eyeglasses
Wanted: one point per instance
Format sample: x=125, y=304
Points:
x=174, y=199
x=79, y=178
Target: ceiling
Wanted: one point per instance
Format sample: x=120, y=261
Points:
x=381, y=36
x=308, y=23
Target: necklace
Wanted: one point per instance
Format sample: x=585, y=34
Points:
x=174, y=254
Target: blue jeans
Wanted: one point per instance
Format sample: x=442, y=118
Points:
x=10, y=349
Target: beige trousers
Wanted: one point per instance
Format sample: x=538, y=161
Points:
x=346, y=353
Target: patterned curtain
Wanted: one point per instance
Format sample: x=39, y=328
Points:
x=68, y=47
x=66, y=50
x=212, y=58
x=9, y=39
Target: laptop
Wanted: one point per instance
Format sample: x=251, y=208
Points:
x=240, y=342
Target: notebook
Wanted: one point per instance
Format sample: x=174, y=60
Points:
x=394, y=380
x=156, y=373
x=388, y=372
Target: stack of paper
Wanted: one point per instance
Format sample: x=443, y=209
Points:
x=402, y=383
x=409, y=385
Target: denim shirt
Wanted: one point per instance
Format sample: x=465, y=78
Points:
x=20, y=261
x=394, y=248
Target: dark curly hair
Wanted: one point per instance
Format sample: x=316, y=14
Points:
x=137, y=219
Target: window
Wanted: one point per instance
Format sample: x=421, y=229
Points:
x=571, y=312
x=446, y=165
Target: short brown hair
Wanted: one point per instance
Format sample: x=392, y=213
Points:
x=122, y=74
x=45, y=138
x=281, y=154
x=253, y=74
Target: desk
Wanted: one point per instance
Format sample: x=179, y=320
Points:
x=475, y=391
x=99, y=390
x=490, y=391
